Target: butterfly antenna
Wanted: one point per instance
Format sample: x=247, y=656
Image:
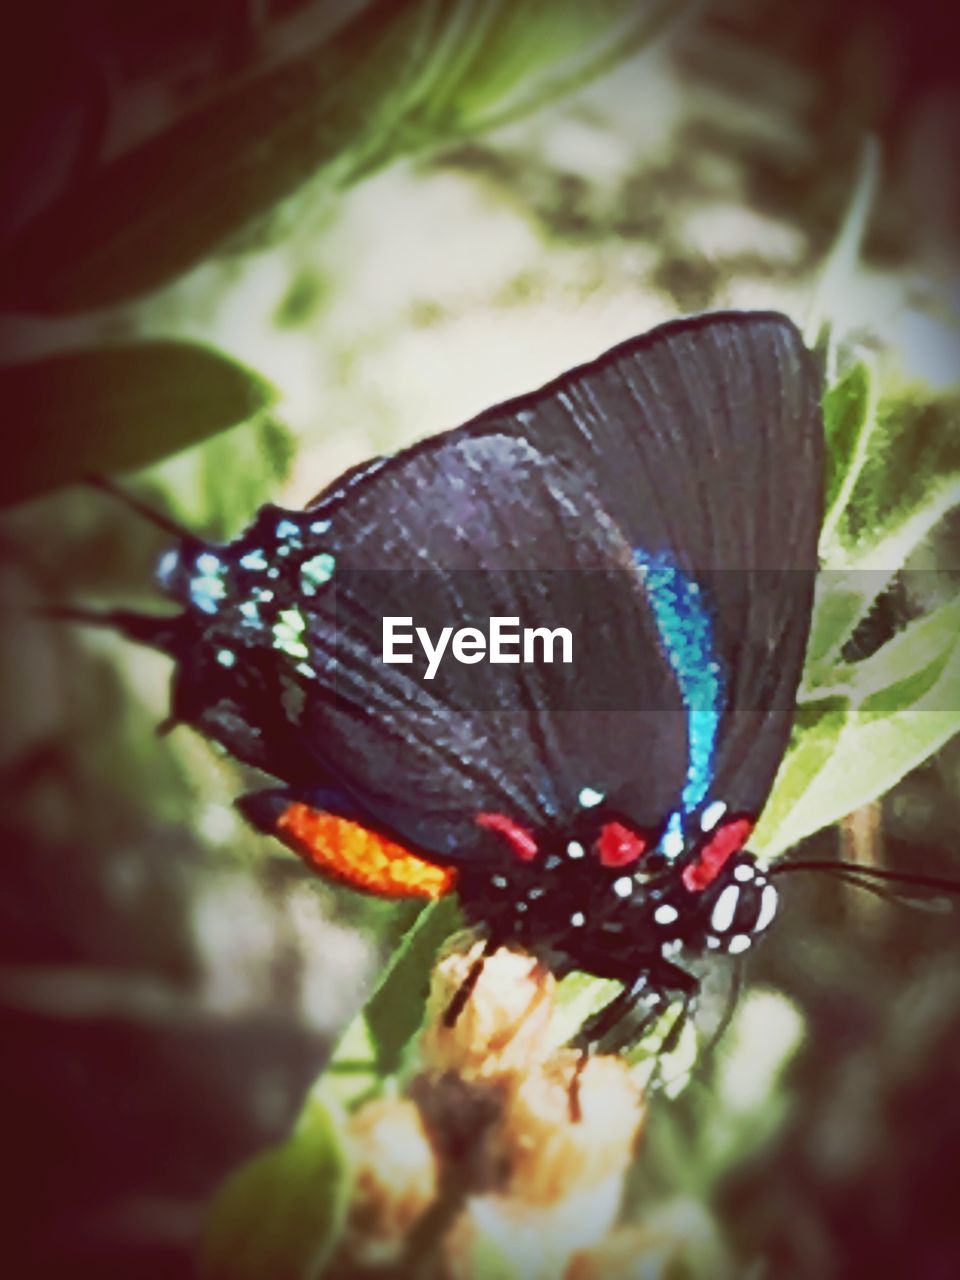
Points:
x=909, y=878
x=156, y=630
x=156, y=518
x=939, y=905
x=881, y=882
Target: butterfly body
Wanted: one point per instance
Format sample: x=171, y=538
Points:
x=617, y=922
x=663, y=505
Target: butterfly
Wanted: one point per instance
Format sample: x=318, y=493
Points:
x=663, y=502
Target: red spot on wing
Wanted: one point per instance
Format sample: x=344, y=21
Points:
x=520, y=840
x=618, y=846
x=348, y=852
x=719, y=849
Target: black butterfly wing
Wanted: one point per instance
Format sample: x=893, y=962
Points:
x=704, y=442
x=484, y=525
x=701, y=442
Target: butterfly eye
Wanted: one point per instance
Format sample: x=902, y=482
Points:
x=168, y=569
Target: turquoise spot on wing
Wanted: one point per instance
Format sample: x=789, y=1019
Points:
x=210, y=564
x=206, y=590
x=316, y=572
x=253, y=560
x=686, y=637
x=288, y=632
x=207, y=587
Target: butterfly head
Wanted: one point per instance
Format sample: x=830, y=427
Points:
x=239, y=639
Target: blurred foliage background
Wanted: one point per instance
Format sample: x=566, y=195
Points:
x=334, y=228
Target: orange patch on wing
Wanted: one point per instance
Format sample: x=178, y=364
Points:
x=348, y=852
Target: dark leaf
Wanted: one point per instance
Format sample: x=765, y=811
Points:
x=114, y=409
x=404, y=74
x=281, y=1214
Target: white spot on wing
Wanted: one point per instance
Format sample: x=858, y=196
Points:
x=712, y=815
x=623, y=887
x=589, y=798
x=738, y=944
x=665, y=914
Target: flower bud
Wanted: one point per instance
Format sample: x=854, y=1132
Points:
x=396, y=1180
x=502, y=1027
x=629, y=1253
x=533, y=1241
x=550, y=1154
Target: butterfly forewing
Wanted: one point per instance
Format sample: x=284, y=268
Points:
x=696, y=450
x=480, y=526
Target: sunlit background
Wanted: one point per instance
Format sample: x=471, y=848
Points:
x=171, y=983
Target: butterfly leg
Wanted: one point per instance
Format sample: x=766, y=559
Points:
x=658, y=985
x=466, y=987
x=672, y=1038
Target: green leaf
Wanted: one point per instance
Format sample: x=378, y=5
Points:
x=578, y=996
x=841, y=261
x=353, y=1073
x=113, y=409
x=895, y=710
x=816, y=732
x=894, y=473
x=909, y=480
x=504, y=59
x=908, y=668
x=282, y=1213
x=373, y=1046
x=165, y=206
x=402, y=75
x=240, y=471
x=849, y=417
x=395, y=1011
x=841, y=600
